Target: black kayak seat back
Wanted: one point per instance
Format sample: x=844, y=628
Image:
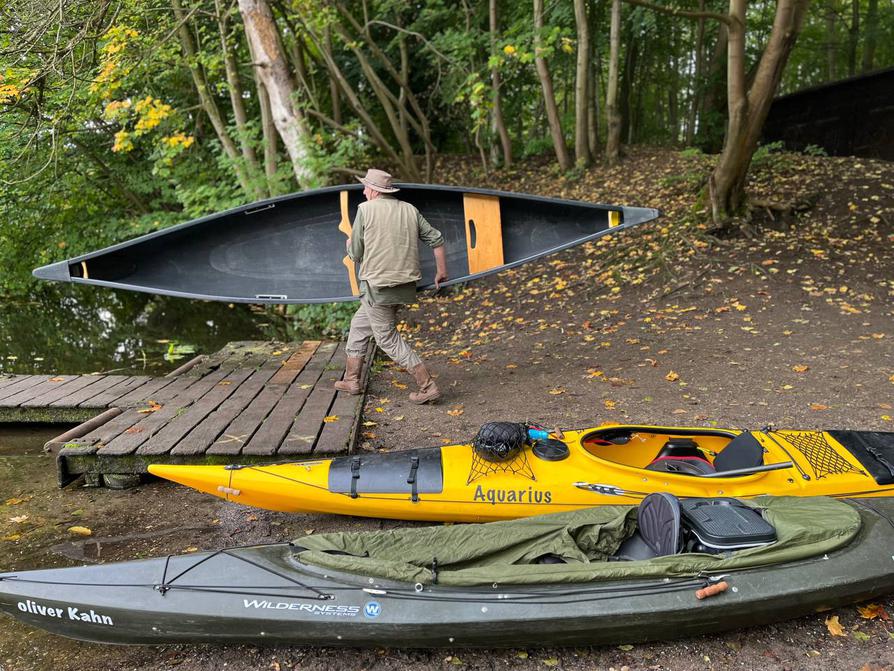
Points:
x=743, y=451
x=681, y=455
x=658, y=521
x=667, y=525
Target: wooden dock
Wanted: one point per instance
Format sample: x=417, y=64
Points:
x=250, y=402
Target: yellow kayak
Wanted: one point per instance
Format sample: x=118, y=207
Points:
x=606, y=465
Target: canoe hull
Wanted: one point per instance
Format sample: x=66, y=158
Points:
x=450, y=484
x=253, y=595
x=291, y=250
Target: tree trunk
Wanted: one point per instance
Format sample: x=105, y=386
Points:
x=831, y=43
x=208, y=103
x=697, y=85
x=268, y=132
x=334, y=93
x=270, y=60
x=235, y=90
x=612, y=117
x=499, y=125
x=853, y=36
x=549, y=97
x=582, y=86
x=871, y=36
x=714, y=96
x=748, y=109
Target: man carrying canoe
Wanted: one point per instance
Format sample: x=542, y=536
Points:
x=384, y=242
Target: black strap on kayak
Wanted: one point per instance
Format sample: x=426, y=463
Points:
x=411, y=479
x=355, y=476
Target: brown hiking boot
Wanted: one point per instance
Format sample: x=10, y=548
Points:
x=351, y=381
x=428, y=390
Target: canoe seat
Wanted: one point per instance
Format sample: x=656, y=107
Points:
x=682, y=455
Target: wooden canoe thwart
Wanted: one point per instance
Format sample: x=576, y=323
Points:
x=292, y=249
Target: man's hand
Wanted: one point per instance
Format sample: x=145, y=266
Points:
x=441, y=266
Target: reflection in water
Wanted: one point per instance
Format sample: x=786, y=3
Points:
x=27, y=439
x=75, y=329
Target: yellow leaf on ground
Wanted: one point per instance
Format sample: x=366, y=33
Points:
x=18, y=519
x=609, y=404
x=57, y=379
x=12, y=537
x=873, y=610
x=818, y=406
x=834, y=626
x=555, y=391
x=330, y=418
x=369, y=423
x=455, y=412
x=800, y=368
x=399, y=385
x=17, y=501
x=80, y=531
x=672, y=377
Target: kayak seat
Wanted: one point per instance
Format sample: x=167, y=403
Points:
x=659, y=530
x=681, y=455
x=743, y=451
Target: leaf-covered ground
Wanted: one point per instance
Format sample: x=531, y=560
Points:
x=667, y=324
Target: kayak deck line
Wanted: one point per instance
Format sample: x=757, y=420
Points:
x=255, y=402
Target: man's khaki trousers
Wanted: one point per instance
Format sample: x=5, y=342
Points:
x=379, y=322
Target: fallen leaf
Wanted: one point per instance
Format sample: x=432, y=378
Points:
x=626, y=647
x=455, y=412
x=555, y=391
x=521, y=654
x=672, y=377
x=330, y=418
x=18, y=519
x=551, y=661
x=818, y=406
x=370, y=423
x=873, y=610
x=16, y=501
x=800, y=368
x=80, y=531
x=861, y=636
x=834, y=626
x=191, y=548
x=57, y=379
x=399, y=385
x=609, y=404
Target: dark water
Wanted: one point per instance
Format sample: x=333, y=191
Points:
x=75, y=329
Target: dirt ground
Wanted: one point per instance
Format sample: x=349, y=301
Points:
x=794, y=328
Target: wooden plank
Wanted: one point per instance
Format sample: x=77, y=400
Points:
x=152, y=390
x=338, y=437
x=102, y=383
x=7, y=380
x=241, y=430
x=150, y=424
x=210, y=429
x=183, y=423
x=306, y=426
x=109, y=396
x=269, y=436
x=133, y=392
x=484, y=232
x=295, y=363
x=63, y=391
x=23, y=382
x=38, y=389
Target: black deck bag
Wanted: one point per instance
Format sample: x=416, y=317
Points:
x=723, y=525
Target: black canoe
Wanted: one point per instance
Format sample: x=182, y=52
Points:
x=291, y=249
x=265, y=594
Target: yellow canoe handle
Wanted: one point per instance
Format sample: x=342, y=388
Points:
x=345, y=227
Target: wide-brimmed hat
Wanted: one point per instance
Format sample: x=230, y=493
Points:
x=379, y=180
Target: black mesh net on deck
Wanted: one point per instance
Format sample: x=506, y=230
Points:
x=823, y=458
x=499, y=448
